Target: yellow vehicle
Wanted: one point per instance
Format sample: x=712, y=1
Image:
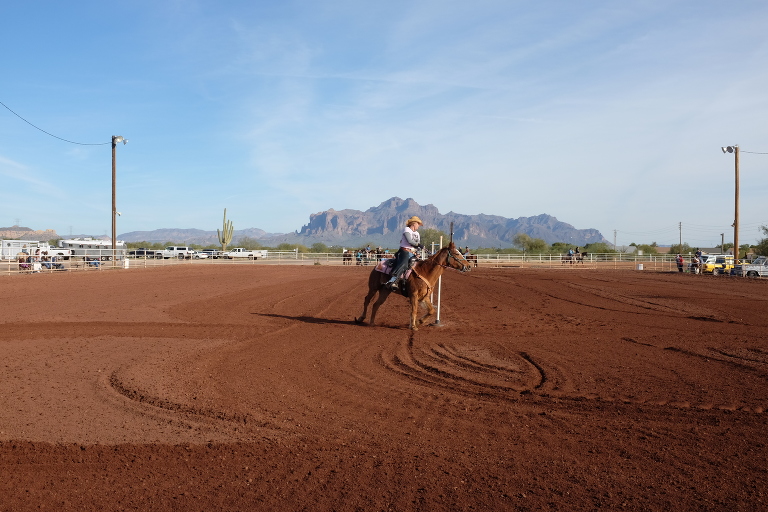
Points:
x=722, y=265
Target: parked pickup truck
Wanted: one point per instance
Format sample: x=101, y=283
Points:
x=58, y=252
x=239, y=252
x=758, y=268
x=176, y=251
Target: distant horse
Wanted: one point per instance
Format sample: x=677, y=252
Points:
x=346, y=258
x=419, y=285
x=472, y=258
x=567, y=259
x=580, y=257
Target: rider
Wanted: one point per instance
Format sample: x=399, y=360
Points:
x=409, y=243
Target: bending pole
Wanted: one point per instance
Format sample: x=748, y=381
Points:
x=439, y=288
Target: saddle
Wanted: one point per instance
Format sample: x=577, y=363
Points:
x=385, y=267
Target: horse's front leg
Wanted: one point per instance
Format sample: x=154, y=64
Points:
x=430, y=310
x=414, y=312
x=415, y=301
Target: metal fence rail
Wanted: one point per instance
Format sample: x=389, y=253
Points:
x=607, y=261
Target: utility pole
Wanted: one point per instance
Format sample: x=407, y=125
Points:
x=735, y=150
x=722, y=243
x=614, y=239
x=736, y=213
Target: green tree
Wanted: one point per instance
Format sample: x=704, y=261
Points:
x=285, y=247
x=247, y=242
x=762, y=246
x=648, y=249
x=681, y=249
x=528, y=244
x=319, y=247
x=431, y=235
x=598, y=248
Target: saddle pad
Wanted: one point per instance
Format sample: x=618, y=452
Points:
x=385, y=267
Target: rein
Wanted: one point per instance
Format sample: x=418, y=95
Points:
x=465, y=264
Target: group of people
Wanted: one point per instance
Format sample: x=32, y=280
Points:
x=695, y=262
x=27, y=260
x=573, y=256
x=364, y=256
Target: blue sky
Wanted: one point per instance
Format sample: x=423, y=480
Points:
x=607, y=115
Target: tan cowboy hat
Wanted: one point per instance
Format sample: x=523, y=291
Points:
x=412, y=220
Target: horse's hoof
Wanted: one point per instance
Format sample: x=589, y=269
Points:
x=359, y=320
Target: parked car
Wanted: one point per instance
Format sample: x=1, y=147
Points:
x=758, y=268
x=176, y=251
x=199, y=255
x=212, y=253
x=723, y=264
x=144, y=253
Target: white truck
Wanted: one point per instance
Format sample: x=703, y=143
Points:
x=239, y=252
x=181, y=252
x=758, y=268
x=59, y=252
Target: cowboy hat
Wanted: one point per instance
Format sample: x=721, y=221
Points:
x=412, y=220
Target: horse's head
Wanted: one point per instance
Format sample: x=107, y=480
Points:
x=454, y=258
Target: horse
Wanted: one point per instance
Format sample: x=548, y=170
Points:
x=566, y=259
x=418, y=286
x=472, y=258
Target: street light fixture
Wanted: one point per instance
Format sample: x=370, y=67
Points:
x=735, y=150
x=116, y=139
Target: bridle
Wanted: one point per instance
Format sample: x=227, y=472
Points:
x=461, y=259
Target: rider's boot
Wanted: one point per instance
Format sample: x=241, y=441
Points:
x=392, y=283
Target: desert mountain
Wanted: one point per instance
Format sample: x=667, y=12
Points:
x=24, y=233
x=383, y=224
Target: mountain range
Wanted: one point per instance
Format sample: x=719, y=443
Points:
x=382, y=225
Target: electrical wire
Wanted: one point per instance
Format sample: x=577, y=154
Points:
x=52, y=135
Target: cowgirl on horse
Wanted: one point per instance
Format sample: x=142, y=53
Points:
x=410, y=242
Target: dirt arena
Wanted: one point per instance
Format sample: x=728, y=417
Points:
x=211, y=387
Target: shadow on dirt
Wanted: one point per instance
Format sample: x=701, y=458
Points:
x=309, y=319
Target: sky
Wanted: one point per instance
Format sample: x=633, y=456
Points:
x=607, y=115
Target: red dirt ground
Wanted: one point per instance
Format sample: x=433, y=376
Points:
x=207, y=387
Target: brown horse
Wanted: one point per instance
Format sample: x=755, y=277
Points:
x=419, y=285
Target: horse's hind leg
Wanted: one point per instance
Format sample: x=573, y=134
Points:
x=383, y=294
x=361, y=318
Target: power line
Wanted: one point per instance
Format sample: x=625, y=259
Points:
x=52, y=135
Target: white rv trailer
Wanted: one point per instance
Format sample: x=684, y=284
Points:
x=93, y=248
x=10, y=248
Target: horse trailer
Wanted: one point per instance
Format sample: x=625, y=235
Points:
x=94, y=248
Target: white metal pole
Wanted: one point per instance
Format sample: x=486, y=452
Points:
x=439, y=288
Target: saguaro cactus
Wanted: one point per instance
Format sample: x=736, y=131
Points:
x=225, y=233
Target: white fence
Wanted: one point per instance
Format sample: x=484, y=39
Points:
x=608, y=261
